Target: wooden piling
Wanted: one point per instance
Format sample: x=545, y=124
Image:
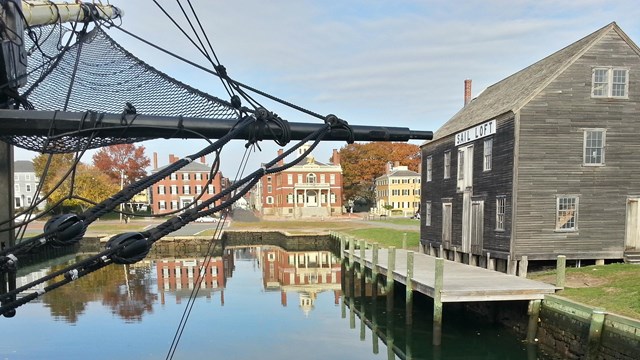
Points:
x=561, y=267
x=342, y=246
x=363, y=246
x=437, y=302
x=374, y=263
x=404, y=241
x=391, y=266
x=409, y=289
x=352, y=250
x=534, y=314
x=524, y=264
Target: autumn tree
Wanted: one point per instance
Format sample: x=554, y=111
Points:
x=363, y=163
x=65, y=181
x=126, y=159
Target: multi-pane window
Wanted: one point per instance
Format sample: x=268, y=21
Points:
x=290, y=179
x=269, y=188
x=332, y=179
x=173, y=176
x=299, y=178
x=173, y=189
x=198, y=189
x=429, y=168
x=211, y=189
x=610, y=82
x=28, y=187
x=323, y=179
x=186, y=189
x=427, y=215
x=290, y=199
x=161, y=189
x=162, y=205
x=594, y=141
x=185, y=176
x=501, y=204
x=488, y=154
x=567, y=213
x=269, y=199
x=447, y=164
x=198, y=176
x=27, y=177
x=460, y=164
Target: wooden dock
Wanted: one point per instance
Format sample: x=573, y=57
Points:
x=460, y=282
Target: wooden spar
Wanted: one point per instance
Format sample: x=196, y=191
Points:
x=37, y=13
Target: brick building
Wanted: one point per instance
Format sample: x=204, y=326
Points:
x=181, y=188
x=308, y=189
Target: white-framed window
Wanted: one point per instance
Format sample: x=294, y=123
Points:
x=161, y=190
x=427, y=213
x=186, y=189
x=299, y=178
x=269, y=179
x=465, y=168
x=594, y=142
x=198, y=189
x=211, y=189
x=323, y=178
x=290, y=179
x=429, y=168
x=198, y=176
x=173, y=176
x=269, y=200
x=174, y=204
x=269, y=188
x=27, y=177
x=332, y=179
x=162, y=205
x=16, y=188
x=290, y=199
x=186, y=176
x=311, y=178
x=567, y=213
x=332, y=198
x=610, y=82
x=28, y=188
x=447, y=164
x=488, y=154
x=501, y=205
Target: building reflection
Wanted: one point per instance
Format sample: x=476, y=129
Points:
x=180, y=276
x=306, y=273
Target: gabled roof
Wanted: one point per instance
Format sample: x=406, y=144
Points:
x=23, y=166
x=512, y=93
x=192, y=166
x=400, y=173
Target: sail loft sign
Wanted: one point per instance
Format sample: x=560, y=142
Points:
x=476, y=132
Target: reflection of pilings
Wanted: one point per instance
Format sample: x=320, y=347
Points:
x=377, y=335
x=352, y=291
x=390, y=280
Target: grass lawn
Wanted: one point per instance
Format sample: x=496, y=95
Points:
x=386, y=237
x=613, y=287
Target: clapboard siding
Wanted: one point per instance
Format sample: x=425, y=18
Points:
x=551, y=139
x=486, y=186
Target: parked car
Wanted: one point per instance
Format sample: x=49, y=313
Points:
x=207, y=219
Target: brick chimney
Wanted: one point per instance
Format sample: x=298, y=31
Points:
x=155, y=161
x=396, y=164
x=335, y=158
x=467, y=91
x=281, y=162
x=172, y=158
x=389, y=167
x=203, y=159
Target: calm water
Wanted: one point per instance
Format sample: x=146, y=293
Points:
x=255, y=303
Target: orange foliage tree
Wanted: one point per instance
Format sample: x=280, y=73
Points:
x=363, y=163
x=126, y=159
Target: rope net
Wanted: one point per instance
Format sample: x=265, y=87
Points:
x=102, y=77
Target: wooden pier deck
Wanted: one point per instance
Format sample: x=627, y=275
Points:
x=460, y=282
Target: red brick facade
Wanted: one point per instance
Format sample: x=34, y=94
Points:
x=183, y=187
x=308, y=189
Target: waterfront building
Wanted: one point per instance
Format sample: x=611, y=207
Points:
x=542, y=163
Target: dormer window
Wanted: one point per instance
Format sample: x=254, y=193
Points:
x=610, y=82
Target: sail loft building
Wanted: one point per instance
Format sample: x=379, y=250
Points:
x=542, y=163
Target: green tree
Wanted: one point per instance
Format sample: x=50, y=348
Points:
x=363, y=163
x=85, y=181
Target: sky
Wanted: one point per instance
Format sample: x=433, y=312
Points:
x=395, y=63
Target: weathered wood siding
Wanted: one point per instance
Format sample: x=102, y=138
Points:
x=550, y=160
x=487, y=185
